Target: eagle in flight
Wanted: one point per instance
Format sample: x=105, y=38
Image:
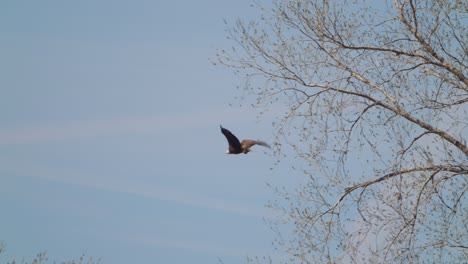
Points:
x=237, y=147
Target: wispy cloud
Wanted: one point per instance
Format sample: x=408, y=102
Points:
x=151, y=191
x=45, y=132
x=190, y=245
x=213, y=249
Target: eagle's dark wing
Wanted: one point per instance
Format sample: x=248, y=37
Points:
x=233, y=141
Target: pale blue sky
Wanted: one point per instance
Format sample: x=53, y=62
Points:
x=109, y=135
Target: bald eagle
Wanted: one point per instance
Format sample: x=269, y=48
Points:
x=236, y=147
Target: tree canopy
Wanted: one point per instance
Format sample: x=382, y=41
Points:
x=377, y=98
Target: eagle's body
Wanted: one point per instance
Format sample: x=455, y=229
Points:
x=236, y=146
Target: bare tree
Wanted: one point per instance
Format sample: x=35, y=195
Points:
x=377, y=93
x=41, y=258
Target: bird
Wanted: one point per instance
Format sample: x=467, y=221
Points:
x=236, y=147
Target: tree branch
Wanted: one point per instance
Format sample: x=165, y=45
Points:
x=454, y=169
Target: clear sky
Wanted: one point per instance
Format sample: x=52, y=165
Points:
x=109, y=134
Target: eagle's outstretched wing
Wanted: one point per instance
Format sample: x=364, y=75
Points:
x=247, y=143
x=234, y=144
